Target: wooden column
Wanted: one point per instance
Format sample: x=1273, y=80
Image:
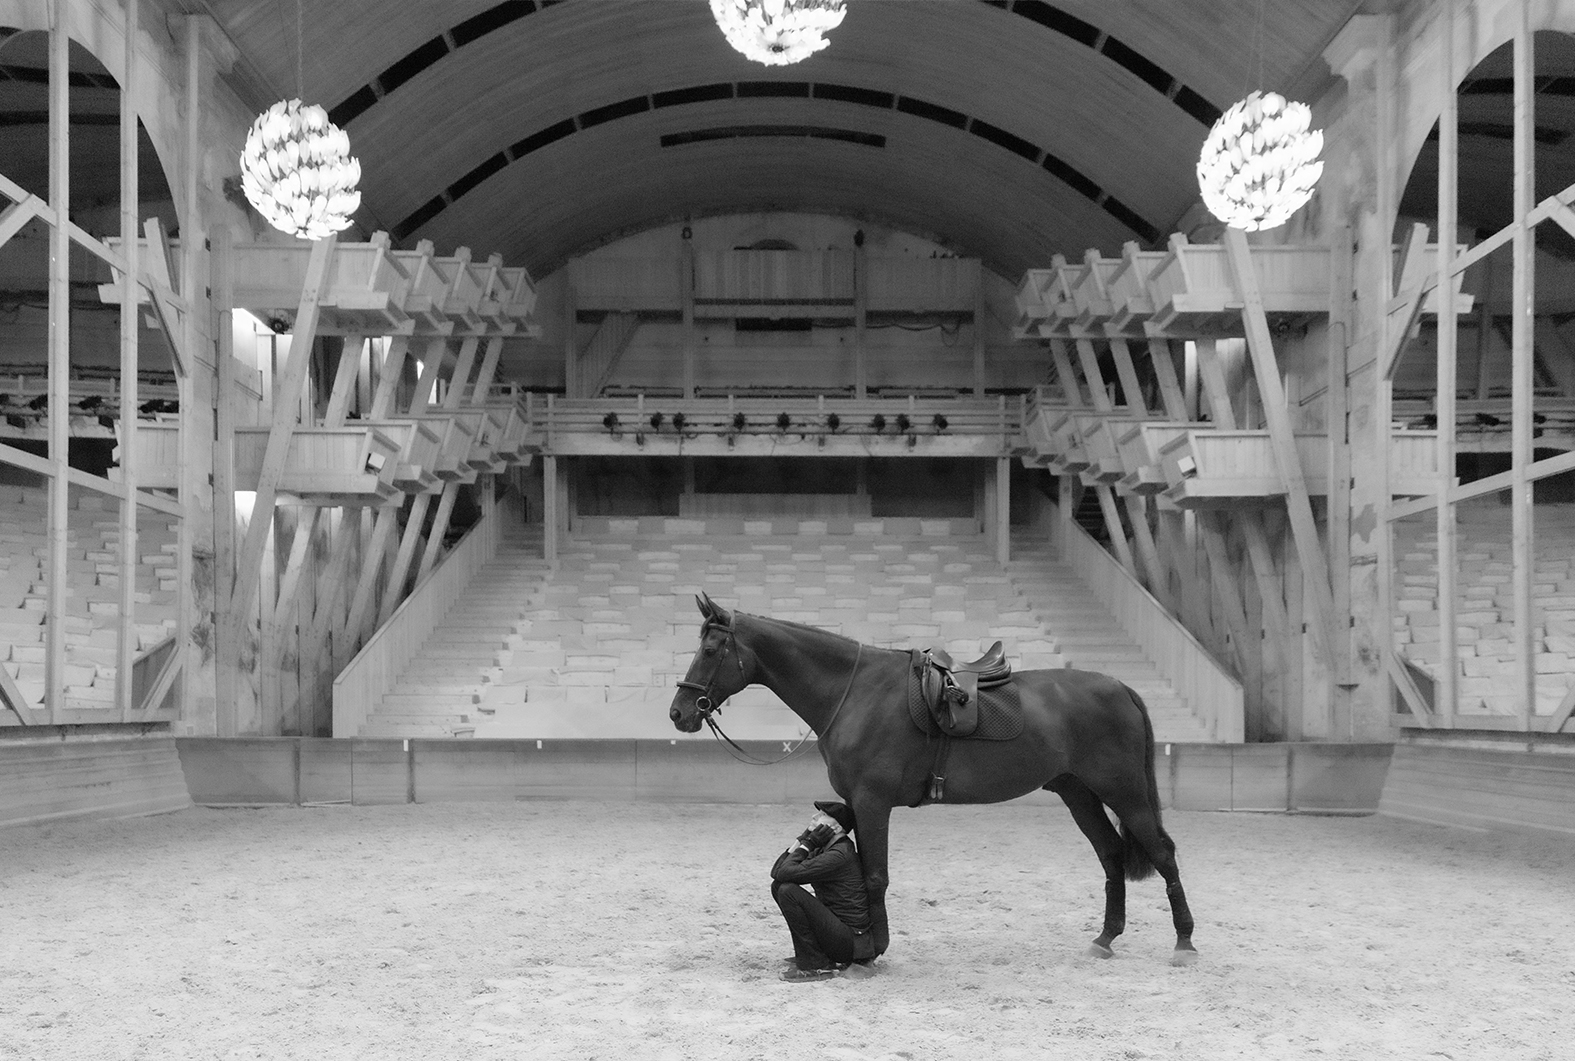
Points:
x=861, y=369
x=1003, y=509
x=1065, y=373
x=1211, y=375
x=549, y=507
x=1522, y=301
x=1126, y=371
x=130, y=289
x=1446, y=696
x=1337, y=419
x=686, y=287
x=979, y=312
x=1170, y=392
x=1277, y=418
x=59, y=357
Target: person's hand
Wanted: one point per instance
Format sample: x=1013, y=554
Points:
x=820, y=835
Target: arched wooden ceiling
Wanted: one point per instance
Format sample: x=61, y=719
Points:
x=1013, y=129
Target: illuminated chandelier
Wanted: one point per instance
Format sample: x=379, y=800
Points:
x=778, y=32
x=298, y=172
x=1260, y=162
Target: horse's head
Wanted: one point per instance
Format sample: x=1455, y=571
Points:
x=716, y=673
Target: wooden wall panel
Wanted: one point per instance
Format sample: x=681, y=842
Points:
x=100, y=777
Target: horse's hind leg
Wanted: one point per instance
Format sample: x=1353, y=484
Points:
x=1142, y=825
x=1089, y=813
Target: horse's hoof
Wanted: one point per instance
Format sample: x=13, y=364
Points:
x=1099, y=950
x=1184, y=956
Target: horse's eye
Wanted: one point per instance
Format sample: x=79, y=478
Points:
x=710, y=650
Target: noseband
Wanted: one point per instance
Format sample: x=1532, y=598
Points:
x=704, y=703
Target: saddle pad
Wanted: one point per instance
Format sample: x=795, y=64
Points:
x=1000, y=711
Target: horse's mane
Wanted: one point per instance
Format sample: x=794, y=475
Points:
x=810, y=629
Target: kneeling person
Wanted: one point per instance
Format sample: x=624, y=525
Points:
x=831, y=927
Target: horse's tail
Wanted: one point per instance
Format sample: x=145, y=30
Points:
x=1137, y=862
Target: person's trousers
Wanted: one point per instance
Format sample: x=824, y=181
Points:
x=820, y=939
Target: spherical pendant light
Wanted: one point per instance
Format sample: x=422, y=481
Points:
x=778, y=32
x=1259, y=163
x=298, y=172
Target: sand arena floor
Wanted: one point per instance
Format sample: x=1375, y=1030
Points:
x=625, y=931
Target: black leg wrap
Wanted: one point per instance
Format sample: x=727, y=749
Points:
x=1179, y=911
x=1115, y=907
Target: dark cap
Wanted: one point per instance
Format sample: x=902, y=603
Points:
x=840, y=812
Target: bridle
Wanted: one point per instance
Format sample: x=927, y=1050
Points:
x=707, y=706
x=703, y=699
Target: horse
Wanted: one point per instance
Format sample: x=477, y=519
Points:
x=1086, y=737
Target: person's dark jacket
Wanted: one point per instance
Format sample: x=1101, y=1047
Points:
x=836, y=876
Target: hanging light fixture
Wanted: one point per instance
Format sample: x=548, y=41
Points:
x=296, y=167
x=778, y=32
x=1259, y=164
x=298, y=172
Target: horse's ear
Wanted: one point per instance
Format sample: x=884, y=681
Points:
x=703, y=602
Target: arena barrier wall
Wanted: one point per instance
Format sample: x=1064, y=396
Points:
x=1317, y=778
x=57, y=773
x=1484, y=780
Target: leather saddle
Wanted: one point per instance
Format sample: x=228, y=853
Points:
x=951, y=689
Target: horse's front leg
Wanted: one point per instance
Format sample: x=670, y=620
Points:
x=874, y=828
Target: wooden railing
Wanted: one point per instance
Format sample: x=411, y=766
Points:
x=1211, y=693
x=360, y=687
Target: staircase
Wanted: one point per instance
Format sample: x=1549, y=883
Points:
x=439, y=690
x=92, y=604
x=593, y=648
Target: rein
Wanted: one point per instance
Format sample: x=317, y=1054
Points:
x=707, y=708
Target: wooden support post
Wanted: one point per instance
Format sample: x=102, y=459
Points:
x=1003, y=509
x=1170, y=392
x=371, y=565
x=1277, y=418
x=1226, y=591
x=286, y=397
x=686, y=287
x=388, y=378
x=1158, y=585
x=431, y=369
x=980, y=311
x=1094, y=378
x=344, y=380
x=1126, y=371
x=1337, y=420
x=549, y=508
x=1522, y=529
x=861, y=368
x=459, y=381
x=407, y=551
x=1118, y=537
x=1065, y=488
x=59, y=357
x=1065, y=373
x=1215, y=392
x=1446, y=695
x=1275, y=620
x=484, y=377
x=439, y=528
x=126, y=633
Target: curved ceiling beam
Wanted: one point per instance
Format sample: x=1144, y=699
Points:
x=451, y=40
x=748, y=90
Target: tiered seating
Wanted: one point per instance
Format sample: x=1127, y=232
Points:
x=92, y=601
x=601, y=642
x=1484, y=616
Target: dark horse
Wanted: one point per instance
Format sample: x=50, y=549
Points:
x=1086, y=737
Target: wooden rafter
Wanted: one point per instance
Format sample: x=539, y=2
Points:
x=1126, y=371
x=1065, y=373
x=1170, y=392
